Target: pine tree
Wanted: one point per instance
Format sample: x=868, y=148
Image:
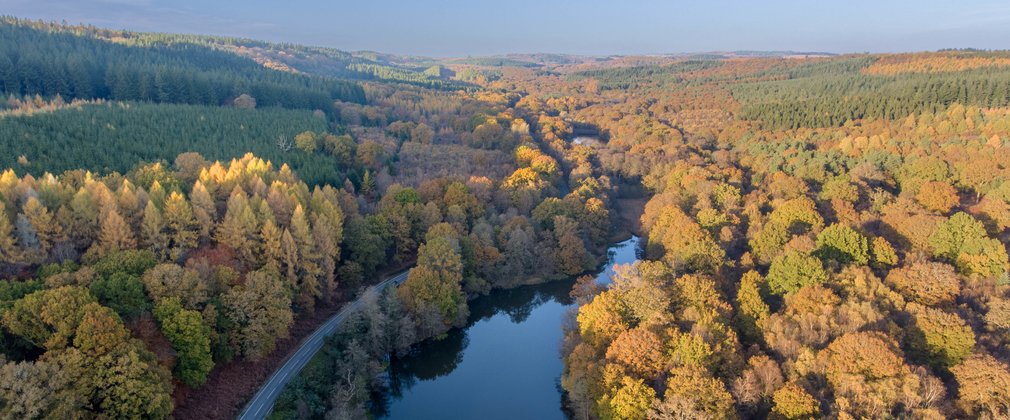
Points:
x=129, y=203
x=180, y=226
x=238, y=226
x=115, y=235
x=270, y=238
x=263, y=211
x=85, y=218
x=157, y=194
x=37, y=215
x=204, y=210
x=322, y=235
x=323, y=207
x=308, y=255
x=8, y=248
x=279, y=203
x=367, y=188
x=289, y=258
x=152, y=234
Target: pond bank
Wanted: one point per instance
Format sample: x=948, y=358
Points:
x=504, y=364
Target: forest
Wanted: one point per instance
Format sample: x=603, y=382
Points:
x=824, y=236
x=151, y=248
x=836, y=248
x=48, y=59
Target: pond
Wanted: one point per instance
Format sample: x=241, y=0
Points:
x=505, y=364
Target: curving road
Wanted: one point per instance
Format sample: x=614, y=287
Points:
x=262, y=403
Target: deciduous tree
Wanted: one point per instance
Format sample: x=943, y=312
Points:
x=190, y=338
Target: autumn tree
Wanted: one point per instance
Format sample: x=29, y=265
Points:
x=794, y=402
x=308, y=269
x=116, y=234
x=640, y=351
x=571, y=254
x=307, y=141
x=433, y=286
x=8, y=246
x=751, y=307
x=90, y=345
x=120, y=376
x=868, y=374
x=152, y=231
x=755, y=387
x=603, y=319
x=238, y=225
x=983, y=386
x=631, y=400
x=261, y=311
x=936, y=196
x=798, y=215
x=683, y=243
x=35, y=389
x=172, y=281
x=928, y=283
x=48, y=318
x=882, y=253
x=37, y=228
x=181, y=227
x=691, y=392
x=342, y=148
x=204, y=209
x=940, y=338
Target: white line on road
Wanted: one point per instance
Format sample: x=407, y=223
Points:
x=260, y=405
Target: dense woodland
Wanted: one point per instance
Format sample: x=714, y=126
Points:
x=835, y=249
x=146, y=242
x=826, y=236
x=49, y=60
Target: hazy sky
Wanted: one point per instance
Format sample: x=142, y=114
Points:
x=598, y=27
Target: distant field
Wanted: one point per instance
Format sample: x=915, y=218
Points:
x=115, y=136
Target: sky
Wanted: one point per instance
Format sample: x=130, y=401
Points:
x=457, y=28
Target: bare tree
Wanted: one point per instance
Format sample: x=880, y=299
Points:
x=284, y=143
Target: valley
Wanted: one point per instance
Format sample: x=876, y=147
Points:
x=208, y=227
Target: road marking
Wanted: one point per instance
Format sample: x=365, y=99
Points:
x=268, y=393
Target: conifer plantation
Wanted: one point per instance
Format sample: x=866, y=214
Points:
x=823, y=236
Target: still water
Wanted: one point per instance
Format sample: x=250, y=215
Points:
x=505, y=364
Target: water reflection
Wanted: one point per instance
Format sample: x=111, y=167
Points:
x=503, y=364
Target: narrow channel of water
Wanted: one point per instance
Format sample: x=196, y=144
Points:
x=505, y=364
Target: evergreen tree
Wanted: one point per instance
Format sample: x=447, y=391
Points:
x=190, y=338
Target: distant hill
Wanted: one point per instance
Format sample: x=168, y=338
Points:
x=74, y=61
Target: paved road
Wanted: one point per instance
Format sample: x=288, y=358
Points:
x=263, y=402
